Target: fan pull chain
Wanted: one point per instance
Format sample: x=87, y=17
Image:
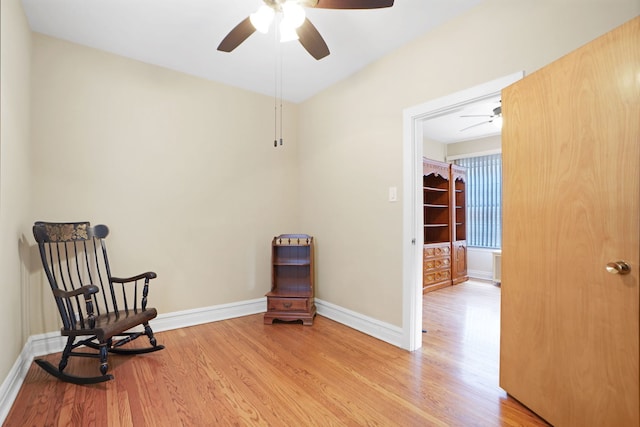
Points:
x=275, y=92
x=277, y=95
x=281, y=79
x=275, y=122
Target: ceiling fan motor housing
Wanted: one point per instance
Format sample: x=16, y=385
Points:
x=277, y=4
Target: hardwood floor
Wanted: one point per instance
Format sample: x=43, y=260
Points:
x=242, y=372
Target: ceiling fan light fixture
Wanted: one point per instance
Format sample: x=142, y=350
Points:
x=497, y=120
x=262, y=18
x=287, y=32
x=293, y=13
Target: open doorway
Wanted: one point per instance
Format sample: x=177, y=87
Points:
x=414, y=121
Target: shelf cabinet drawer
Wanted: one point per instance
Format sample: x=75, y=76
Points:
x=436, y=251
x=436, y=276
x=287, y=304
x=437, y=263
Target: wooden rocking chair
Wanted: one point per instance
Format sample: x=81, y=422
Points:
x=97, y=310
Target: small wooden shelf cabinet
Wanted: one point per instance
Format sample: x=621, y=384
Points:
x=459, y=224
x=292, y=288
x=444, y=204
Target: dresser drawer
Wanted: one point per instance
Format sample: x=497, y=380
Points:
x=287, y=304
x=436, y=263
x=436, y=251
x=436, y=276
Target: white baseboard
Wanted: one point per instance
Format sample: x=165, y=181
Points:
x=368, y=325
x=12, y=383
x=52, y=342
x=36, y=345
x=198, y=316
x=480, y=274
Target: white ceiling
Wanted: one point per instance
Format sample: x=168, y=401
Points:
x=451, y=127
x=183, y=35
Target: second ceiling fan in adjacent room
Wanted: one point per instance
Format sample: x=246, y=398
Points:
x=294, y=24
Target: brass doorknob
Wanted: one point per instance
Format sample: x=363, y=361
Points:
x=618, y=267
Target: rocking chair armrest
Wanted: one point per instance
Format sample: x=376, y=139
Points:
x=86, y=290
x=147, y=276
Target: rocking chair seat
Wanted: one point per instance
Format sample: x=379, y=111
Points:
x=113, y=323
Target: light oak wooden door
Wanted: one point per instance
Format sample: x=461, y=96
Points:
x=570, y=329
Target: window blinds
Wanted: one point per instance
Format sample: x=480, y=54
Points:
x=484, y=200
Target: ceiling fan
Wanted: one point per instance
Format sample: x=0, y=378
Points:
x=294, y=24
x=495, y=116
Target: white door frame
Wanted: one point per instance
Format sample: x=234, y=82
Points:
x=412, y=220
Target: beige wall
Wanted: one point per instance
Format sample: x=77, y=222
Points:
x=434, y=150
x=353, y=153
x=15, y=52
x=181, y=169
x=479, y=146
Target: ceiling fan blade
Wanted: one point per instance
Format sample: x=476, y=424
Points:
x=477, y=124
x=311, y=40
x=353, y=4
x=236, y=36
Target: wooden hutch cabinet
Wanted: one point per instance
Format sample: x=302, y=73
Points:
x=444, y=204
x=436, y=194
x=292, y=288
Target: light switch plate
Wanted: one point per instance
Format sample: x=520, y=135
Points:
x=393, y=194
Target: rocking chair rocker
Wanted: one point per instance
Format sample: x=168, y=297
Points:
x=98, y=310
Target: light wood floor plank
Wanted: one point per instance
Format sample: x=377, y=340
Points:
x=242, y=372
